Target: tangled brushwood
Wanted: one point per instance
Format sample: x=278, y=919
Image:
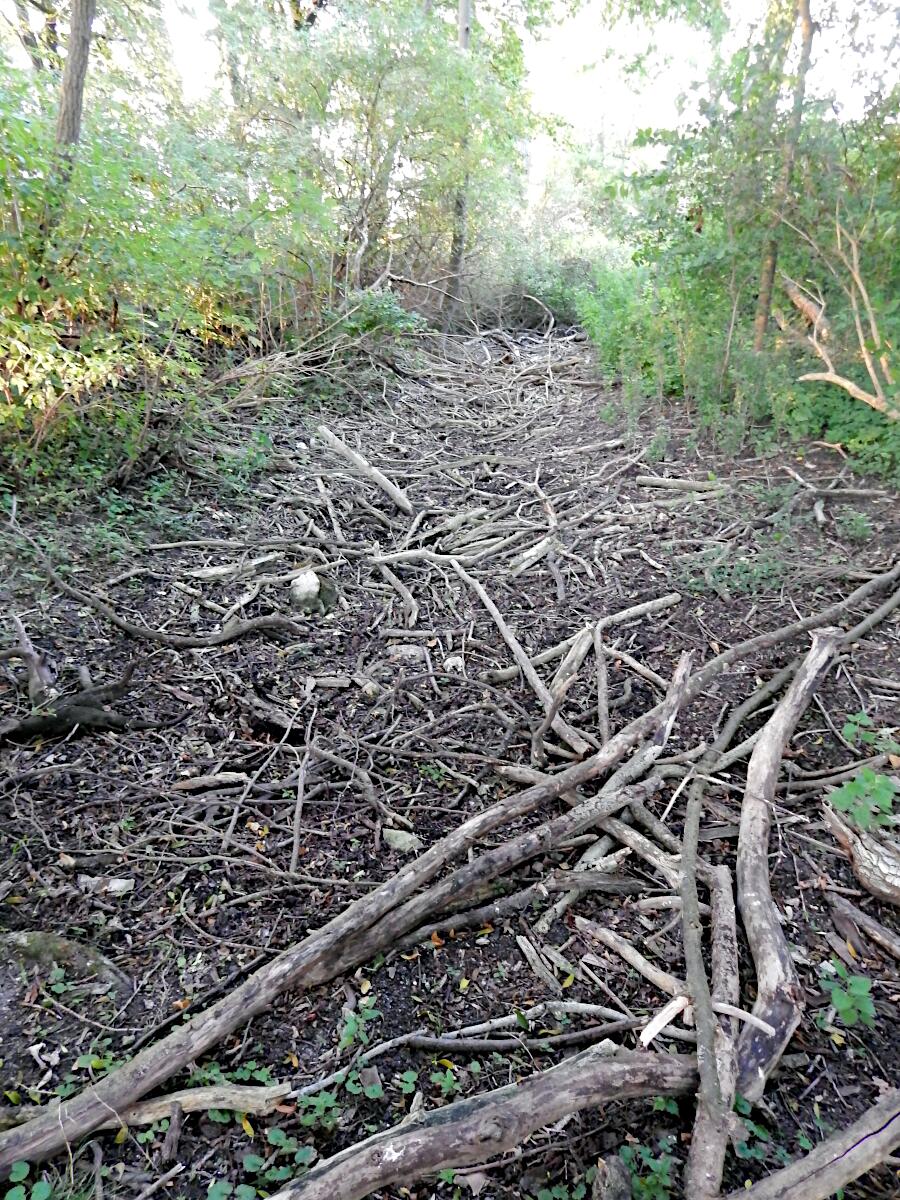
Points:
x=441, y=689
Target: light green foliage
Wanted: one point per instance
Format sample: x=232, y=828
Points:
x=744, y=571
x=859, y=729
x=651, y=1174
x=854, y=526
x=406, y=1083
x=354, y=1027
x=850, y=995
x=321, y=1109
x=690, y=214
x=376, y=312
x=221, y=1189
x=758, y=1144
x=867, y=799
x=355, y=1086
x=22, y=1189
x=248, y=1072
x=562, y=1191
x=152, y=1131
x=446, y=1081
x=329, y=156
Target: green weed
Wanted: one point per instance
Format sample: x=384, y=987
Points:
x=40, y=1189
x=355, y=1022
x=850, y=995
x=854, y=526
x=651, y=1174
x=867, y=799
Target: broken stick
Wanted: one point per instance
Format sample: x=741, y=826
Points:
x=780, y=999
x=377, y=477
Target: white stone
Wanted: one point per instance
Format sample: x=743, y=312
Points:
x=304, y=589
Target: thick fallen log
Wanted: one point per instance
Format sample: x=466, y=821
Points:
x=476, y=1129
x=780, y=999
x=836, y=1162
x=875, y=859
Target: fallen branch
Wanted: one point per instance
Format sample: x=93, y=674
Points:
x=620, y=618
x=86, y=710
x=836, y=1162
x=377, y=477
x=478, y=1128
x=345, y=940
x=878, y=933
x=664, y=980
x=780, y=999
x=679, y=485
x=230, y=1097
x=571, y=736
x=324, y=952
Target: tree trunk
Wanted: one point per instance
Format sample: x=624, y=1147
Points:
x=68, y=121
x=71, y=100
x=782, y=192
x=461, y=202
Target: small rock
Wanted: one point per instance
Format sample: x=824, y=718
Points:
x=305, y=592
x=400, y=839
x=406, y=653
x=104, y=885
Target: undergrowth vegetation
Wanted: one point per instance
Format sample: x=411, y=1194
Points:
x=158, y=242
x=765, y=184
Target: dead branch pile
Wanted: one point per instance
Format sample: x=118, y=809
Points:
x=435, y=549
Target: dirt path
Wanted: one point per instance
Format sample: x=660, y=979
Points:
x=282, y=771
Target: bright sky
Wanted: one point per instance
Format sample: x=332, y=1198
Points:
x=577, y=71
x=195, y=54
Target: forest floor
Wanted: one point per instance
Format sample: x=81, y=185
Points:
x=258, y=786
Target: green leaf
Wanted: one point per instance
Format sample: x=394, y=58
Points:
x=16, y=1193
x=19, y=1171
x=276, y=1137
x=253, y=1163
x=42, y=1190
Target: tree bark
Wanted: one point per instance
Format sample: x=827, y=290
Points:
x=71, y=99
x=478, y=1128
x=782, y=191
x=68, y=121
x=461, y=201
